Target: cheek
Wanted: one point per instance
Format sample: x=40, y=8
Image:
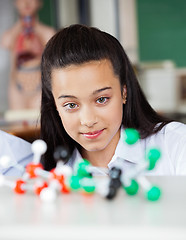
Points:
x=69, y=123
x=116, y=112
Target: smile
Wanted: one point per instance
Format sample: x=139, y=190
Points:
x=93, y=135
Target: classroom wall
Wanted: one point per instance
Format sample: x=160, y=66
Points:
x=128, y=28
x=48, y=13
x=148, y=30
x=103, y=14
x=67, y=12
x=161, y=27
x=162, y=30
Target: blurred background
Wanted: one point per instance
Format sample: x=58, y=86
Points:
x=153, y=33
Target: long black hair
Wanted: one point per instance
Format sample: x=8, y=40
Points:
x=78, y=44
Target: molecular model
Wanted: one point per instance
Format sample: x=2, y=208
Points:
x=63, y=179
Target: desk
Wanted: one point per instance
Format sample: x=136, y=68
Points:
x=21, y=123
x=28, y=132
x=78, y=217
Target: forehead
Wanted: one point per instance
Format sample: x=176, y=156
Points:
x=91, y=75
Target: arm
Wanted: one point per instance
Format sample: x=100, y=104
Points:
x=176, y=145
x=181, y=157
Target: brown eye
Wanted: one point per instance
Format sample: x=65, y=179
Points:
x=69, y=106
x=102, y=100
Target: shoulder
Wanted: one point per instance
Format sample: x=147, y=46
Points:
x=44, y=31
x=172, y=138
x=17, y=149
x=174, y=130
x=12, y=143
x=171, y=141
x=171, y=135
x=5, y=39
x=6, y=137
x=8, y=37
x=176, y=127
x=176, y=145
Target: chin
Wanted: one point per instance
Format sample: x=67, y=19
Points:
x=93, y=148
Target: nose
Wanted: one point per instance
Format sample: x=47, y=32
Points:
x=88, y=117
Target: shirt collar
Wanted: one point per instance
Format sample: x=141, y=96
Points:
x=131, y=153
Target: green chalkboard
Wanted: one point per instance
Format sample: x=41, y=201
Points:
x=162, y=30
x=47, y=13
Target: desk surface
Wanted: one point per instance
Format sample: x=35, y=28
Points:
x=75, y=216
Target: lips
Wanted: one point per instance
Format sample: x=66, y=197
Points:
x=93, y=135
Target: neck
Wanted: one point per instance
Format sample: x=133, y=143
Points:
x=26, y=19
x=98, y=159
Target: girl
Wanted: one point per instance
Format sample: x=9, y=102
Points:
x=89, y=94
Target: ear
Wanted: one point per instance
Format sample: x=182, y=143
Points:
x=124, y=94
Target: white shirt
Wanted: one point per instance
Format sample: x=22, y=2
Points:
x=171, y=141
x=18, y=150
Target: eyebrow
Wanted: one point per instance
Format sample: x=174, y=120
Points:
x=101, y=90
x=94, y=92
x=67, y=96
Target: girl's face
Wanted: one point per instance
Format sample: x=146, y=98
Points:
x=89, y=101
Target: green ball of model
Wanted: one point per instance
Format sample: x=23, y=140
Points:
x=131, y=136
x=82, y=169
x=74, y=182
x=133, y=188
x=153, y=156
x=153, y=194
x=88, y=185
